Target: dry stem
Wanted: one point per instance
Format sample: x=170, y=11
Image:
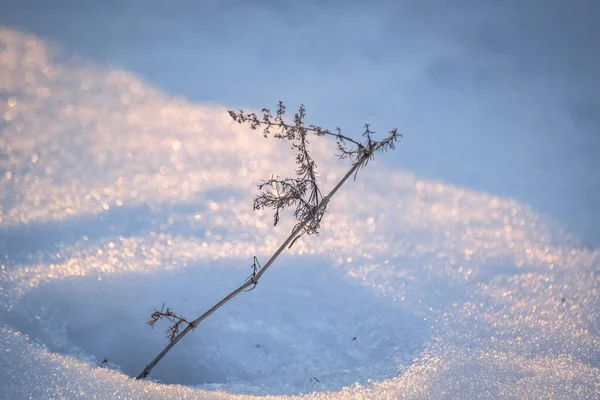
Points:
x=302, y=191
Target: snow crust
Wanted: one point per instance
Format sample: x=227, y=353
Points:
x=117, y=198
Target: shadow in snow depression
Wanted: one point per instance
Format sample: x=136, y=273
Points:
x=306, y=327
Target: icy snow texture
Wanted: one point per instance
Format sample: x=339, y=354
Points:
x=117, y=198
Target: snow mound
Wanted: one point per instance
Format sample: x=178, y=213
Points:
x=117, y=199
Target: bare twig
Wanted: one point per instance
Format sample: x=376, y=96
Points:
x=278, y=194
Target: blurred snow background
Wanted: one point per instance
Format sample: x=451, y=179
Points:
x=464, y=265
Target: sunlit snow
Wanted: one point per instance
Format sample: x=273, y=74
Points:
x=116, y=198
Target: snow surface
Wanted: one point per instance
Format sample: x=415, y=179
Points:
x=117, y=198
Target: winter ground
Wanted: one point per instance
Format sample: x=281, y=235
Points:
x=117, y=197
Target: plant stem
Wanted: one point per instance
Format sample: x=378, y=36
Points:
x=254, y=279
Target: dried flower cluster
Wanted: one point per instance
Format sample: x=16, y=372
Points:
x=169, y=315
x=302, y=192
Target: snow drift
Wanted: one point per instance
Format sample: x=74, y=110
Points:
x=116, y=198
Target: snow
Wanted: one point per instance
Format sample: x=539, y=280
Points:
x=117, y=198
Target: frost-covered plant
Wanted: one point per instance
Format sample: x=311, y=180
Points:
x=301, y=193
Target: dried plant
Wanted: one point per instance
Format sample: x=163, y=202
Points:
x=301, y=193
